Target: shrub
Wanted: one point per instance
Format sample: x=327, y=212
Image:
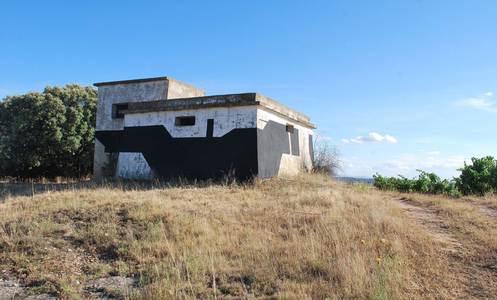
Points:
x=426, y=183
x=48, y=134
x=325, y=158
x=479, y=178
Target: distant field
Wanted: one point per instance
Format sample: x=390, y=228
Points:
x=364, y=180
x=301, y=238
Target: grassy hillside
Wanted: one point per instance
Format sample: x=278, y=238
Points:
x=305, y=237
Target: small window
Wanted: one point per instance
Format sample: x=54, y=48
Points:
x=185, y=121
x=289, y=128
x=118, y=110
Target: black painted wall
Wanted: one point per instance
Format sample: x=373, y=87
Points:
x=209, y=157
x=195, y=158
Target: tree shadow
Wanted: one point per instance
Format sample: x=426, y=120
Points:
x=30, y=189
x=13, y=189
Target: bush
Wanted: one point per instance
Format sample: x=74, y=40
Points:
x=48, y=134
x=426, y=183
x=479, y=178
x=325, y=158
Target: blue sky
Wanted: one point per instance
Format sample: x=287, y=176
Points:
x=394, y=85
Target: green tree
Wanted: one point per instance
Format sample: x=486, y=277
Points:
x=480, y=177
x=48, y=134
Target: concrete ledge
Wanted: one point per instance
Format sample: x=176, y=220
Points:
x=131, y=81
x=229, y=100
x=283, y=110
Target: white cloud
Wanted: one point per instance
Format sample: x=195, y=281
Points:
x=372, y=137
x=483, y=102
x=478, y=103
x=390, y=139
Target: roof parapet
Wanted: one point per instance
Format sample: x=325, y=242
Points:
x=169, y=87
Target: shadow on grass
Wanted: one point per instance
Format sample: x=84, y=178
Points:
x=13, y=188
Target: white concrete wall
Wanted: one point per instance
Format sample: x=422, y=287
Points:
x=178, y=89
x=225, y=120
x=133, y=166
x=290, y=164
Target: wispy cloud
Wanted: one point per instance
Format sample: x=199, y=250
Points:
x=372, y=137
x=483, y=102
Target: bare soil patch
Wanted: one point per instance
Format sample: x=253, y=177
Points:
x=432, y=223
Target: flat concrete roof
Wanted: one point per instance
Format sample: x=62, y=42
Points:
x=229, y=100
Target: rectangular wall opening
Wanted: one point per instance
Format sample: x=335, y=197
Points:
x=118, y=110
x=184, y=121
x=289, y=128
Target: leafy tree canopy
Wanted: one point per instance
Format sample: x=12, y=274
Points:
x=48, y=134
x=480, y=177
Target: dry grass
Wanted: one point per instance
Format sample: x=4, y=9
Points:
x=299, y=238
x=471, y=220
x=472, y=224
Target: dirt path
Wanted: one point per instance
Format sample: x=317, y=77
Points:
x=476, y=281
x=433, y=225
x=489, y=211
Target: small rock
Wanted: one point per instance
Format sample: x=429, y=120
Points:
x=13, y=290
x=111, y=287
x=10, y=289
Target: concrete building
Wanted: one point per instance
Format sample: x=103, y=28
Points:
x=163, y=128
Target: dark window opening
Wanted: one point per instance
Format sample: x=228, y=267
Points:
x=185, y=121
x=118, y=110
x=289, y=128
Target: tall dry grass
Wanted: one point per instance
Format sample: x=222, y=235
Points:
x=296, y=238
x=472, y=223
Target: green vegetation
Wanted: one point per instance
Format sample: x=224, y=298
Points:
x=426, y=183
x=477, y=178
x=48, y=134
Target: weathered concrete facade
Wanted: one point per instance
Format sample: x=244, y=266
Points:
x=127, y=91
x=160, y=128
